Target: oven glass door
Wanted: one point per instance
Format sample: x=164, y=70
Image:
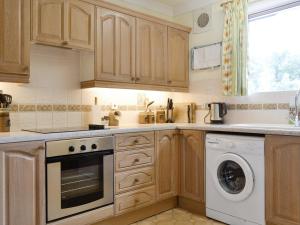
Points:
x=78, y=183
x=81, y=180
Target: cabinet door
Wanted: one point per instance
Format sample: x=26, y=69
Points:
x=151, y=60
x=166, y=164
x=22, y=183
x=178, y=55
x=79, y=24
x=48, y=21
x=115, y=52
x=282, y=180
x=192, y=165
x=14, y=38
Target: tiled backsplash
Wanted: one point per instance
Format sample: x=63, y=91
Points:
x=53, y=97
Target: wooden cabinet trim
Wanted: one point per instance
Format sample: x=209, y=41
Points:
x=134, y=13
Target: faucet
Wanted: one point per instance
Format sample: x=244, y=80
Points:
x=297, y=122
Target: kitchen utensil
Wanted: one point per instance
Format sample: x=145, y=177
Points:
x=160, y=116
x=217, y=111
x=170, y=111
x=191, y=112
x=4, y=122
x=5, y=100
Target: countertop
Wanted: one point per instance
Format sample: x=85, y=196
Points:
x=279, y=129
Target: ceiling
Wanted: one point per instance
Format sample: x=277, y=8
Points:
x=173, y=2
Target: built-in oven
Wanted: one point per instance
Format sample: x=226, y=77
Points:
x=79, y=176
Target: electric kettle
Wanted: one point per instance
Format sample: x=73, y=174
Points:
x=217, y=111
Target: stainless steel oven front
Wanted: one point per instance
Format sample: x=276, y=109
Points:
x=80, y=176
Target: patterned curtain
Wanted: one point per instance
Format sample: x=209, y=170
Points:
x=235, y=44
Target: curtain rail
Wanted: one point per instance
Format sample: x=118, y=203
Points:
x=274, y=9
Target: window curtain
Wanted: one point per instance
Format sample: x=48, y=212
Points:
x=235, y=44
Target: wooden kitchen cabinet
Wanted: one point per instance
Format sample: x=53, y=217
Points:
x=115, y=51
x=282, y=165
x=22, y=182
x=178, y=58
x=80, y=24
x=64, y=23
x=151, y=59
x=192, y=165
x=48, y=18
x=14, y=40
x=166, y=164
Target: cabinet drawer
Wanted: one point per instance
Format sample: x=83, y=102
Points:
x=134, y=140
x=132, y=180
x=134, y=159
x=134, y=200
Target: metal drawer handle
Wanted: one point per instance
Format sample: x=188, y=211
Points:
x=136, y=201
x=136, y=180
x=136, y=160
x=136, y=141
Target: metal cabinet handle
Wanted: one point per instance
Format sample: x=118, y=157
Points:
x=64, y=43
x=137, y=79
x=132, y=79
x=25, y=68
x=136, y=180
x=169, y=82
x=136, y=160
x=136, y=141
x=136, y=201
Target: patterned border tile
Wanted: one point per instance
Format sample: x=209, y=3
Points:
x=60, y=108
x=255, y=106
x=74, y=108
x=44, y=108
x=27, y=108
x=242, y=106
x=270, y=106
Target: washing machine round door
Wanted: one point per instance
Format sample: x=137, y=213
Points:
x=233, y=177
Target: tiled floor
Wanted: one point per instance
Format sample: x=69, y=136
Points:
x=177, y=217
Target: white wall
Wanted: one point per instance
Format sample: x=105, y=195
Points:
x=55, y=80
x=206, y=86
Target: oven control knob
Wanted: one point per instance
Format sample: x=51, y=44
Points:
x=94, y=146
x=71, y=149
x=82, y=147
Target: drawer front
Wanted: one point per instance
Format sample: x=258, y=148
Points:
x=127, y=160
x=134, y=200
x=128, y=181
x=134, y=140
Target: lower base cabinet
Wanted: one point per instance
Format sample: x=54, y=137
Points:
x=282, y=162
x=22, y=183
x=166, y=164
x=192, y=178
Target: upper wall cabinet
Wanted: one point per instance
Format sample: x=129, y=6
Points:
x=178, y=55
x=115, y=52
x=14, y=40
x=65, y=23
x=136, y=51
x=151, y=60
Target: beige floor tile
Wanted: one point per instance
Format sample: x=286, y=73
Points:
x=177, y=217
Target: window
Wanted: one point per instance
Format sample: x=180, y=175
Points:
x=274, y=50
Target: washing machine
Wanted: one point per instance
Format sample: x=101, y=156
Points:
x=235, y=189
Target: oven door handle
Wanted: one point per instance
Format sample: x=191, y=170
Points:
x=78, y=156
